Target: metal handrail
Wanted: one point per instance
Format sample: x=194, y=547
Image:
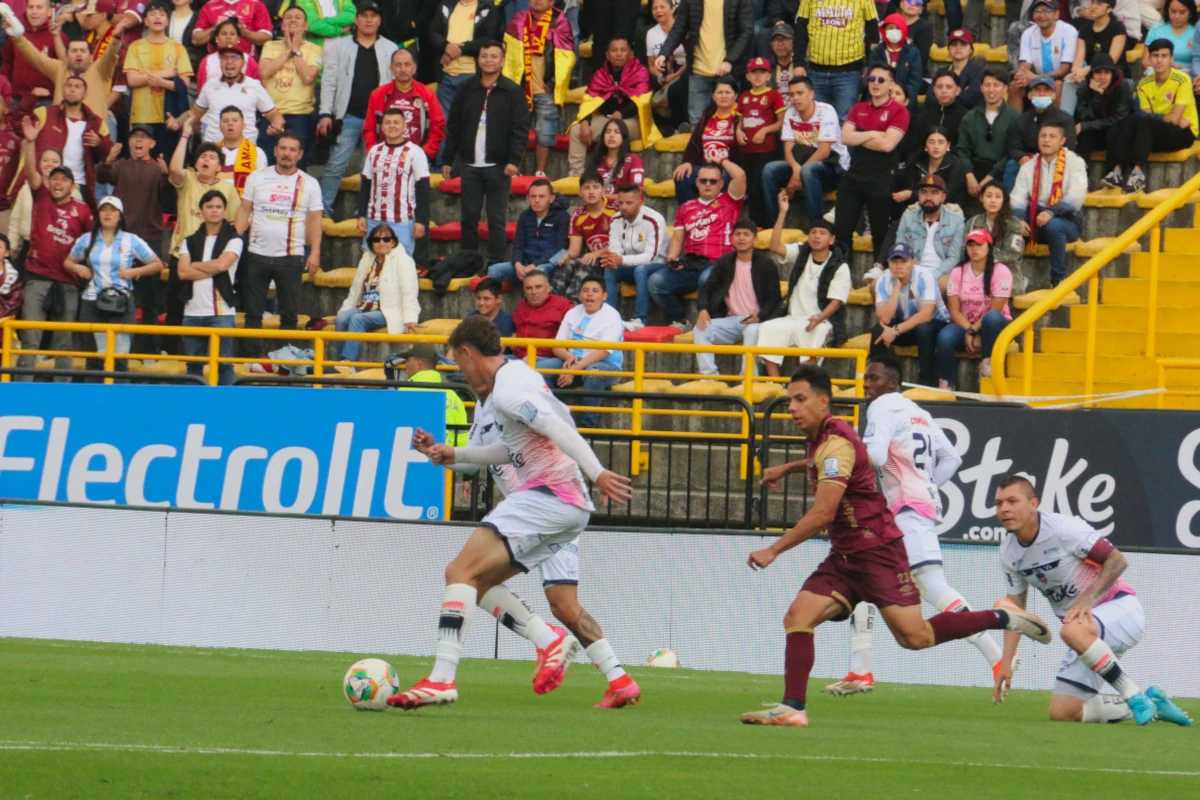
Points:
x=1023, y=324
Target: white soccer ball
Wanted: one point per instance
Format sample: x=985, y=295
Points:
x=663, y=658
x=369, y=684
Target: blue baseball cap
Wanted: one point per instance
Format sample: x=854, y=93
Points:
x=901, y=250
x=1042, y=80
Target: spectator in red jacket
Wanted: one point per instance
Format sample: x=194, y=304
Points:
x=540, y=314
x=426, y=122
x=21, y=75
x=81, y=149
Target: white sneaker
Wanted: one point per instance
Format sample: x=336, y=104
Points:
x=683, y=325
x=540, y=174
x=831, y=216
x=11, y=23
x=634, y=324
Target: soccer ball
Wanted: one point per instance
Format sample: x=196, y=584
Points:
x=663, y=658
x=369, y=684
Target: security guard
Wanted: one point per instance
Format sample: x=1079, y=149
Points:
x=420, y=365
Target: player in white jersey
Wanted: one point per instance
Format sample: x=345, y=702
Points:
x=549, y=506
x=1079, y=573
x=560, y=579
x=394, y=187
x=912, y=458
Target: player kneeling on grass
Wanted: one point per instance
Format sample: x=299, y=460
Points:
x=868, y=562
x=1079, y=573
x=549, y=508
x=560, y=581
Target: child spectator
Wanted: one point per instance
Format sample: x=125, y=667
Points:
x=593, y=320
x=760, y=117
x=588, y=241
x=896, y=52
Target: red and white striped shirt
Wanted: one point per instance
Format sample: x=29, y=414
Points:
x=393, y=171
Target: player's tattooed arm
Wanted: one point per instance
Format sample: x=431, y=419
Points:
x=1114, y=564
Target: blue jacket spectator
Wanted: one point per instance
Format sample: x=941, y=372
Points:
x=541, y=237
x=937, y=251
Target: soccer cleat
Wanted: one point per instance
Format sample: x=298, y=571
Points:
x=1114, y=179
x=1143, y=708
x=776, y=714
x=852, y=684
x=553, y=662
x=425, y=693
x=1166, y=710
x=628, y=694
x=1136, y=182
x=1024, y=623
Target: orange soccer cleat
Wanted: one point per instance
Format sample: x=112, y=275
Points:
x=852, y=684
x=622, y=692
x=776, y=714
x=425, y=693
x=554, y=661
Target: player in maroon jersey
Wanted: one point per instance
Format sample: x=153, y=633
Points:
x=868, y=560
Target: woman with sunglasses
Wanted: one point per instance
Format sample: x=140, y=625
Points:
x=384, y=292
x=106, y=258
x=977, y=298
x=713, y=139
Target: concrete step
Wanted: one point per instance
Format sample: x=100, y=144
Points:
x=1126, y=370
x=1182, y=240
x=1119, y=343
x=1111, y=317
x=1171, y=266
x=1136, y=291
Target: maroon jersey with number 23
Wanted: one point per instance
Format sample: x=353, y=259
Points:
x=862, y=520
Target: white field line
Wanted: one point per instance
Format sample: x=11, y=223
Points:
x=231, y=751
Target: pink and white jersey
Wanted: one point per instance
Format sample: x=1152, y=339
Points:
x=708, y=227
x=394, y=171
x=906, y=447
x=1056, y=563
x=484, y=431
x=522, y=402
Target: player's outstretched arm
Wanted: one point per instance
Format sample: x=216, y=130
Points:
x=495, y=453
x=824, y=509
x=771, y=476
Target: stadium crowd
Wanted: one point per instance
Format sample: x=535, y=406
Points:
x=212, y=142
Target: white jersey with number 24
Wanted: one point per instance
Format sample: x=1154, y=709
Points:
x=911, y=455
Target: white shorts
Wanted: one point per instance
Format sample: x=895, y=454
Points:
x=535, y=526
x=1122, y=624
x=563, y=566
x=920, y=538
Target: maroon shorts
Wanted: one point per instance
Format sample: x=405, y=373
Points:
x=878, y=575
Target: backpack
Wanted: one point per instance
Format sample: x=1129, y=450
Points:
x=463, y=264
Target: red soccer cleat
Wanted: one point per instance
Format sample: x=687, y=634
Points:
x=553, y=662
x=852, y=684
x=622, y=692
x=425, y=693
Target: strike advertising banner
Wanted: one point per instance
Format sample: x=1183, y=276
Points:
x=1134, y=475
x=244, y=448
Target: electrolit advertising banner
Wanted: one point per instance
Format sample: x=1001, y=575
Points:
x=280, y=450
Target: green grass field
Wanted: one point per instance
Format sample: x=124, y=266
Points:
x=82, y=720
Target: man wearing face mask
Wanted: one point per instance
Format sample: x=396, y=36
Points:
x=1041, y=112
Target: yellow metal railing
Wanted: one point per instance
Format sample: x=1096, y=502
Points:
x=1023, y=325
x=322, y=367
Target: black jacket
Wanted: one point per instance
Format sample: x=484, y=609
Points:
x=489, y=24
x=739, y=30
x=405, y=19
x=932, y=114
x=839, y=254
x=951, y=171
x=763, y=272
x=1030, y=124
x=1099, y=112
x=508, y=122
x=969, y=81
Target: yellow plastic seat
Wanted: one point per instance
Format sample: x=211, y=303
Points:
x=568, y=186
x=1135, y=53
x=860, y=342
x=996, y=8
x=1093, y=246
x=456, y=284
x=585, y=49
x=159, y=367
x=786, y=236
x=648, y=385
x=439, y=327
x=576, y=95
x=435, y=180
x=376, y=374
x=1110, y=198
x=862, y=296
x=673, y=144
x=942, y=54
x=921, y=394
x=863, y=244
x=341, y=278
x=659, y=188
x=1177, y=157
x=1152, y=199
x=759, y=391
x=272, y=323
x=350, y=183
x=1026, y=301
x=685, y=338
x=997, y=55
x=628, y=290
x=346, y=229
x=698, y=387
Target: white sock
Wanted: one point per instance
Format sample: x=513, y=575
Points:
x=862, y=624
x=602, y=655
x=1101, y=660
x=1105, y=708
x=457, y=604
x=511, y=611
x=951, y=600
